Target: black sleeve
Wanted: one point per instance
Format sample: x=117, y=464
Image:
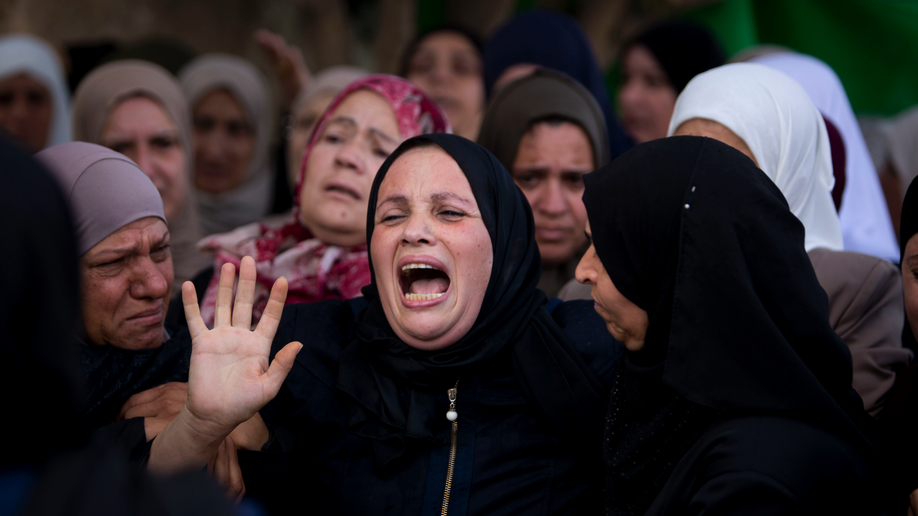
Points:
x=128, y=436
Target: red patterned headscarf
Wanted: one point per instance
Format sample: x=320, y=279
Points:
x=316, y=270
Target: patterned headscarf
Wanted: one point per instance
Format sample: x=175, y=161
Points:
x=314, y=269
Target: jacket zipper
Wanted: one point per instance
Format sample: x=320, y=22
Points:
x=453, y=416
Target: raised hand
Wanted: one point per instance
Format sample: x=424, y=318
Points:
x=230, y=377
x=288, y=62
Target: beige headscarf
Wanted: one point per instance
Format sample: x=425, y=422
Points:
x=105, y=88
x=251, y=200
x=894, y=140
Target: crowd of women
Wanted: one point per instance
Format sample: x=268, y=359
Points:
x=471, y=289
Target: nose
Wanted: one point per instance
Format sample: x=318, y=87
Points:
x=630, y=94
x=148, y=281
x=416, y=231
x=20, y=110
x=209, y=144
x=349, y=156
x=586, y=272
x=144, y=160
x=441, y=73
x=551, y=199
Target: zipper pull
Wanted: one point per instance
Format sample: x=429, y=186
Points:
x=451, y=414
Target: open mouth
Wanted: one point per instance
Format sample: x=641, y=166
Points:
x=421, y=282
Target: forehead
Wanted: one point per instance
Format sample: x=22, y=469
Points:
x=564, y=141
x=365, y=106
x=152, y=228
x=640, y=58
x=446, y=41
x=141, y=110
x=423, y=171
x=24, y=81
x=219, y=102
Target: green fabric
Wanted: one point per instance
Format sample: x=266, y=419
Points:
x=871, y=44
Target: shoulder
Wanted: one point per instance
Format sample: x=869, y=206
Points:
x=588, y=334
x=847, y=273
x=324, y=328
x=780, y=463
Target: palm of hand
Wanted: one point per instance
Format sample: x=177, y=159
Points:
x=230, y=377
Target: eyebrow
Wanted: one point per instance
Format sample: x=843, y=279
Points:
x=442, y=196
x=395, y=199
x=342, y=120
x=383, y=135
x=133, y=249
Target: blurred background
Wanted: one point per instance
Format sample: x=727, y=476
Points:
x=872, y=44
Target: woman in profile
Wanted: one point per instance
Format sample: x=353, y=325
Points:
x=734, y=395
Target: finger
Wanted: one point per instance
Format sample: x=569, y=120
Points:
x=166, y=407
x=280, y=367
x=196, y=324
x=270, y=319
x=171, y=390
x=236, y=482
x=225, y=295
x=211, y=466
x=245, y=294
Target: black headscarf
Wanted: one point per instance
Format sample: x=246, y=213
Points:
x=552, y=40
x=693, y=233
x=38, y=311
x=683, y=50
x=395, y=386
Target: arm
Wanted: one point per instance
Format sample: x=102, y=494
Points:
x=230, y=378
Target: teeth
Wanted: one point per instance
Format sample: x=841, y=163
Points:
x=422, y=297
x=410, y=266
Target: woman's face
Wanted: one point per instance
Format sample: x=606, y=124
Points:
x=549, y=167
x=224, y=142
x=126, y=281
x=910, y=282
x=141, y=129
x=431, y=251
x=715, y=130
x=304, y=121
x=626, y=321
x=25, y=111
x=646, y=98
x=359, y=136
x=446, y=66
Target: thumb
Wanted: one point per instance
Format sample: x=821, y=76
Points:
x=281, y=365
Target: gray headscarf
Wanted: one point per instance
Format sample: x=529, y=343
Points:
x=251, y=200
x=543, y=94
x=98, y=94
x=105, y=190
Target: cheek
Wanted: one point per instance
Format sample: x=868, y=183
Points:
x=910, y=292
x=663, y=102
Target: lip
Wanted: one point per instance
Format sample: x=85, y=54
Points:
x=552, y=234
x=147, y=317
x=426, y=260
x=342, y=190
x=208, y=170
x=444, y=102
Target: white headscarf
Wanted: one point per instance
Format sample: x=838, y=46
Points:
x=783, y=129
x=251, y=200
x=864, y=217
x=22, y=53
